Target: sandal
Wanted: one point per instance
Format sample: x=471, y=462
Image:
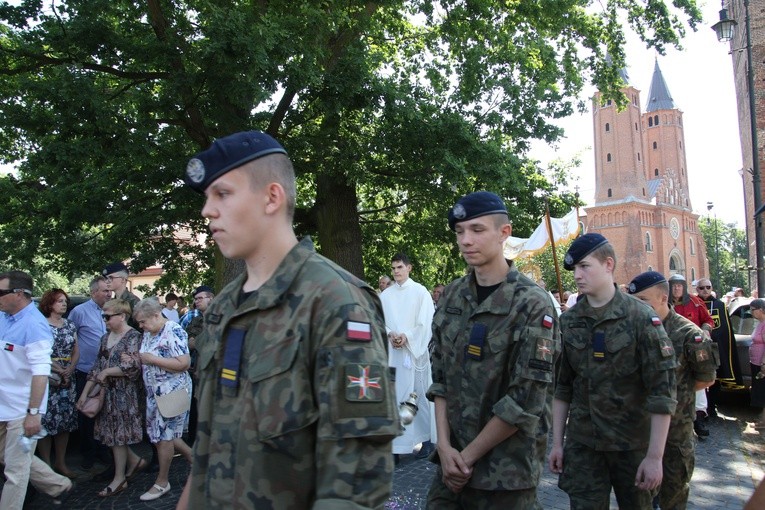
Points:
x=108, y=491
x=142, y=464
x=151, y=496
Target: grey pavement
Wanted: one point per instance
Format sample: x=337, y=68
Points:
x=728, y=466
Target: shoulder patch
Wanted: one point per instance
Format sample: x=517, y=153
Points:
x=364, y=383
x=655, y=321
x=702, y=355
x=213, y=318
x=698, y=339
x=547, y=322
x=667, y=350
x=358, y=331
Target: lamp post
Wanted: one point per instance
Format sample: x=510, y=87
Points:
x=718, y=282
x=724, y=30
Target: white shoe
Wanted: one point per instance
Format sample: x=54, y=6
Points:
x=149, y=496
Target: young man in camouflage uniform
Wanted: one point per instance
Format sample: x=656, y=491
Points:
x=495, y=339
x=296, y=407
x=697, y=361
x=617, y=380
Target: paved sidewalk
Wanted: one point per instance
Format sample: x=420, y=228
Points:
x=728, y=466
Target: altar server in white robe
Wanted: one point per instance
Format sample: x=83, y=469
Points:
x=408, y=308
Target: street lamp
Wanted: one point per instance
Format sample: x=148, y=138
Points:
x=725, y=29
x=718, y=282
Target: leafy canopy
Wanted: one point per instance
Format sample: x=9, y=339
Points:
x=390, y=109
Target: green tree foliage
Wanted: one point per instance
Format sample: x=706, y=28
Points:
x=390, y=110
x=727, y=250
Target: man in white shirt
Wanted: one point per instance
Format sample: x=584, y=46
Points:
x=408, y=309
x=27, y=343
x=169, y=311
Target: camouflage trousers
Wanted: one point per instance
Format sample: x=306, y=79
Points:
x=678, y=464
x=588, y=476
x=441, y=498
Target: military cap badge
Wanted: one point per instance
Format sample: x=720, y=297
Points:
x=195, y=170
x=459, y=211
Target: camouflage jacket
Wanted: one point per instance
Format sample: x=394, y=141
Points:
x=132, y=300
x=302, y=414
x=697, y=360
x=617, y=368
x=496, y=359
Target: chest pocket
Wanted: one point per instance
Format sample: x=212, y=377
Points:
x=622, y=354
x=280, y=388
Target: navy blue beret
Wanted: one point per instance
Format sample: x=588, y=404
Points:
x=475, y=205
x=226, y=154
x=644, y=281
x=582, y=247
x=114, y=267
x=202, y=288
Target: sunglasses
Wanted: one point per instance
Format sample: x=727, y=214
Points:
x=704, y=287
x=5, y=292
x=107, y=316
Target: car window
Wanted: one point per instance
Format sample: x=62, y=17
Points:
x=746, y=323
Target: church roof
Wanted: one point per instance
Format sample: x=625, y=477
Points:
x=653, y=187
x=622, y=70
x=659, y=97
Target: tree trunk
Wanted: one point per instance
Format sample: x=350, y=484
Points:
x=337, y=218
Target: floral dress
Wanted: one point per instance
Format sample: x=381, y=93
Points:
x=61, y=415
x=120, y=421
x=171, y=342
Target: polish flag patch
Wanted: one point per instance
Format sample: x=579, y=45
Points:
x=655, y=321
x=358, y=331
x=9, y=347
x=547, y=321
x=698, y=338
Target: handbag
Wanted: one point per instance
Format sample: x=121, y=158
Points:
x=94, y=401
x=174, y=403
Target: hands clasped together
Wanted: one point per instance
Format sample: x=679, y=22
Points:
x=456, y=469
x=397, y=340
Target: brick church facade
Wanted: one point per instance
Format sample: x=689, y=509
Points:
x=642, y=204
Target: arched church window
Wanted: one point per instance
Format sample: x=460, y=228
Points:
x=656, y=119
x=608, y=157
x=693, y=247
x=650, y=122
x=609, y=192
x=655, y=145
x=656, y=172
x=608, y=127
x=648, y=243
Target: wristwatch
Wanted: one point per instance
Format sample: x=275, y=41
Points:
x=33, y=411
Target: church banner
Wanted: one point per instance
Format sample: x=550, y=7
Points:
x=564, y=229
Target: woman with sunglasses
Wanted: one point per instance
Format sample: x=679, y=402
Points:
x=120, y=422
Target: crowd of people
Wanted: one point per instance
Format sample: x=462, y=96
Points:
x=123, y=351
x=289, y=381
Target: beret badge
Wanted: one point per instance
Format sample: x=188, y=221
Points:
x=568, y=259
x=459, y=211
x=633, y=288
x=195, y=170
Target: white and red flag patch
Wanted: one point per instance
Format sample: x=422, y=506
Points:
x=547, y=321
x=359, y=331
x=655, y=321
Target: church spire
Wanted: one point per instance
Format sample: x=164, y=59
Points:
x=659, y=97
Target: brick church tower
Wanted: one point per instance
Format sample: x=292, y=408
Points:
x=641, y=186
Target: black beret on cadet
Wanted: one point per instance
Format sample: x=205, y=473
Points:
x=644, y=281
x=582, y=247
x=114, y=267
x=226, y=154
x=202, y=288
x=475, y=205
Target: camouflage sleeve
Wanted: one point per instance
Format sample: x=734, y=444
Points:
x=195, y=326
x=564, y=380
x=438, y=387
x=358, y=418
x=531, y=377
x=702, y=356
x=657, y=365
